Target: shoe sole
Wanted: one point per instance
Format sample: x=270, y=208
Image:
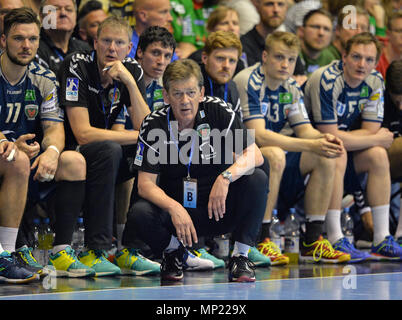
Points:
x=34, y=277
x=309, y=259
x=172, y=278
x=69, y=274
x=139, y=273
x=379, y=257
x=242, y=279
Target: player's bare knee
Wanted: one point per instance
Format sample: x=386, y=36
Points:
x=20, y=167
x=276, y=157
x=72, y=166
x=377, y=158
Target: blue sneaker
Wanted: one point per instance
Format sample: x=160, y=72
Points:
x=388, y=249
x=344, y=245
x=12, y=272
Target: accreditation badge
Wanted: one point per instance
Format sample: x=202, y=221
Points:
x=189, y=193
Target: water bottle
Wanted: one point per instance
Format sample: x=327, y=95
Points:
x=78, y=236
x=45, y=241
x=222, y=250
x=347, y=225
x=292, y=235
x=275, y=230
x=35, y=247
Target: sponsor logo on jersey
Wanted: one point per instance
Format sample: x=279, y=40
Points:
x=364, y=93
x=139, y=155
x=72, y=89
x=30, y=95
x=31, y=111
x=285, y=97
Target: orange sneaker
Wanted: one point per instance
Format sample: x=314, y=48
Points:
x=271, y=250
x=321, y=251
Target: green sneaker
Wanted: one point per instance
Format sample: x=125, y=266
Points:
x=258, y=258
x=66, y=264
x=204, y=254
x=96, y=260
x=130, y=261
x=26, y=259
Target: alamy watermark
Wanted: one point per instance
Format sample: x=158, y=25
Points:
x=350, y=280
x=198, y=146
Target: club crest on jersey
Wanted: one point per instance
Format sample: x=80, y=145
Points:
x=31, y=111
x=204, y=131
x=264, y=108
x=72, y=89
x=340, y=108
x=114, y=98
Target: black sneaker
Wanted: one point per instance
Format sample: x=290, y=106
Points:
x=172, y=265
x=24, y=258
x=12, y=272
x=241, y=269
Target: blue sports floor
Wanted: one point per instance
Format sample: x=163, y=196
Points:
x=364, y=281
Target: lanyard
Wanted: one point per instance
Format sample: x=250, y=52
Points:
x=107, y=116
x=176, y=143
x=225, y=95
x=56, y=51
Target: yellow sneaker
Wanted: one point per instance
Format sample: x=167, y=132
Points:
x=271, y=250
x=321, y=251
x=66, y=264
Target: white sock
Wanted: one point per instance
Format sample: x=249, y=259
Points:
x=120, y=230
x=58, y=248
x=1, y=249
x=8, y=237
x=173, y=244
x=240, y=249
x=333, y=224
x=398, y=232
x=380, y=222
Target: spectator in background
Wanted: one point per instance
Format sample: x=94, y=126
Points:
x=393, y=50
x=272, y=15
x=377, y=17
x=295, y=14
x=248, y=15
x=315, y=36
x=56, y=44
x=147, y=14
x=5, y=7
x=223, y=19
x=89, y=18
x=189, y=24
x=345, y=30
x=123, y=9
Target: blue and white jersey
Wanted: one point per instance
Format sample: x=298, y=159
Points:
x=281, y=109
x=332, y=101
x=33, y=99
x=154, y=95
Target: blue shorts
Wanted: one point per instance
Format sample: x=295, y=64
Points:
x=351, y=179
x=292, y=185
